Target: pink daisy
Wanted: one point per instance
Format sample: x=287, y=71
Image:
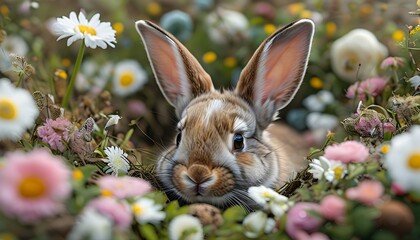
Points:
x=118, y=211
x=33, y=185
x=123, y=187
x=347, y=152
x=368, y=192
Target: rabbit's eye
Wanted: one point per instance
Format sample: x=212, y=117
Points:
x=238, y=142
x=178, y=138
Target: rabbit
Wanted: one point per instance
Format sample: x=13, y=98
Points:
x=226, y=141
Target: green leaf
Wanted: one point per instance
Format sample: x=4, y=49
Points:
x=148, y=232
x=234, y=214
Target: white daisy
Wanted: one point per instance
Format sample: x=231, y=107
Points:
x=16, y=45
x=270, y=200
x=329, y=169
x=185, y=227
x=128, y=78
x=147, y=211
x=91, y=225
x=117, y=160
x=18, y=111
x=257, y=223
x=319, y=101
x=403, y=159
x=94, y=32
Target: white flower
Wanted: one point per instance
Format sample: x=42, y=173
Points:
x=317, y=102
x=403, y=159
x=93, y=77
x=226, y=26
x=185, y=224
x=117, y=160
x=329, y=169
x=18, y=111
x=91, y=225
x=257, y=223
x=316, y=120
x=269, y=200
x=359, y=46
x=113, y=120
x=128, y=78
x=94, y=32
x=15, y=44
x=147, y=211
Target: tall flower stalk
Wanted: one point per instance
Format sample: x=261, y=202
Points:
x=70, y=87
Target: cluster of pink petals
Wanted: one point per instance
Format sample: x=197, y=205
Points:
x=300, y=220
x=347, y=152
x=392, y=62
x=333, y=208
x=117, y=210
x=369, y=87
x=40, y=167
x=55, y=133
x=124, y=187
x=368, y=192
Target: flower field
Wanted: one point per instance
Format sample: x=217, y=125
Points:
x=83, y=120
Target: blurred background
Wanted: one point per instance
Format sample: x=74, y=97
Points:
x=222, y=35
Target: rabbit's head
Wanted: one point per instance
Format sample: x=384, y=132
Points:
x=220, y=150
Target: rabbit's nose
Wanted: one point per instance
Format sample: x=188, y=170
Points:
x=199, y=173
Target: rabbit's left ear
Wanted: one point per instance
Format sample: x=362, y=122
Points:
x=275, y=72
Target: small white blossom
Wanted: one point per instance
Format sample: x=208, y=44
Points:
x=403, y=159
x=329, y=169
x=91, y=225
x=113, y=120
x=117, y=160
x=147, y=211
x=18, y=110
x=184, y=224
x=415, y=81
x=257, y=223
x=269, y=200
x=93, y=32
x=16, y=45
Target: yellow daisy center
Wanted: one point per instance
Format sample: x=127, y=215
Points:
x=8, y=109
x=269, y=28
x=414, y=161
x=86, y=29
x=266, y=194
x=209, y=57
x=316, y=82
x=106, y=193
x=385, y=149
x=32, y=187
x=126, y=79
x=338, y=172
x=77, y=175
x=137, y=209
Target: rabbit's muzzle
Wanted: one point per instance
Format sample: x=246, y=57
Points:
x=200, y=180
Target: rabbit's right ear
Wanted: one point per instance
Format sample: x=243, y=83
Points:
x=178, y=74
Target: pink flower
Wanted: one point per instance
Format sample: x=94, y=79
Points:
x=347, y=152
x=301, y=235
x=33, y=185
x=333, y=208
x=392, y=62
x=369, y=87
x=300, y=218
x=123, y=187
x=118, y=211
x=368, y=192
x=55, y=133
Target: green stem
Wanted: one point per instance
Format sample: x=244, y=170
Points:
x=396, y=78
x=73, y=76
